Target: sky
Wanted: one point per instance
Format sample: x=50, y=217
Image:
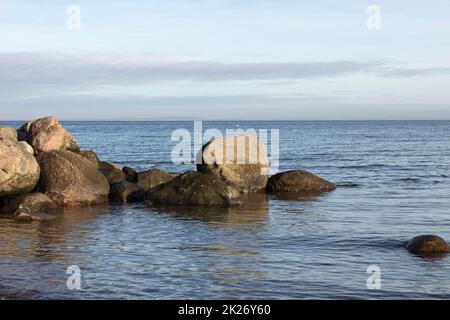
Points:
x=225, y=59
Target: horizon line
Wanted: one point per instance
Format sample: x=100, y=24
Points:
x=228, y=120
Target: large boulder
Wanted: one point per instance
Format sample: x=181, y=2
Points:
x=241, y=161
x=35, y=202
x=47, y=134
x=194, y=188
x=154, y=177
x=8, y=133
x=427, y=245
x=125, y=191
x=19, y=170
x=298, y=181
x=71, y=180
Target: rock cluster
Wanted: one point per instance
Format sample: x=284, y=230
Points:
x=42, y=168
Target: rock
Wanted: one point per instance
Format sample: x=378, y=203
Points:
x=194, y=188
x=22, y=214
x=105, y=166
x=8, y=133
x=47, y=134
x=111, y=171
x=71, y=180
x=114, y=176
x=298, y=181
x=23, y=217
x=153, y=178
x=19, y=170
x=35, y=202
x=427, y=244
x=21, y=135
x=124, y=192
x=91, y=156
x=245, y=167
x=26, y=147
x=130, y=174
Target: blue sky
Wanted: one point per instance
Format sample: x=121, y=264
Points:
x=181, y=59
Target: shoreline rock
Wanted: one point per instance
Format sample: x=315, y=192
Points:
x=71, y=180
x=241, y=161
x=35, y=202
x=194, y=188
x=19, y=170
x=130, y=174
x=126, y=192
x=47, y=134
x=298, y=181
x=8, y=133
x=114, y=176
x=91, y=156
x=152, y=178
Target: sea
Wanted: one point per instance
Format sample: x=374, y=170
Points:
x=393, y=183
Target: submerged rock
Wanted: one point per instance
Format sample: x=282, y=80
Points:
x=71, y=180
x=427, y=244
x=35, y=202
x=47, y=134
x=19, y=170
x=125, y=191
x=241, y=161
x=23, y=214
x=298, y=181
x=154, y=177
x=194, y=188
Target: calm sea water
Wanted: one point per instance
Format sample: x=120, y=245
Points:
x=310, y=247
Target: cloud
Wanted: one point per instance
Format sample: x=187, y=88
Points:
x=27, y=70
x=412, y=72
x=38, y=69
x=78, y=87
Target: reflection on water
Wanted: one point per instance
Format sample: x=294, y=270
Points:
x=299, y=196
x=36, y=239
x=280, y=246
x=251, y=215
